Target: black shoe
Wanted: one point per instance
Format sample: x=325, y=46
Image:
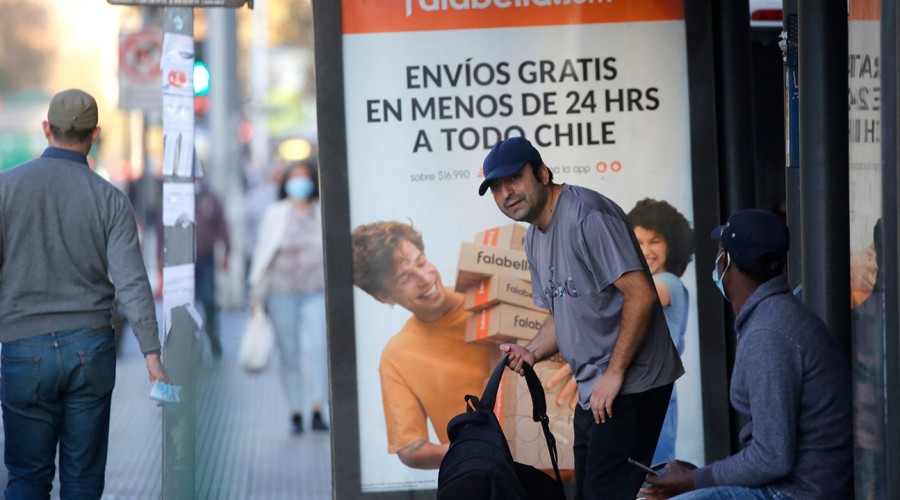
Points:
x=297, y=424
x=318, y=424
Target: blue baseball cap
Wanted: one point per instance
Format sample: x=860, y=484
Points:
x=506, y=158
x=756, y=239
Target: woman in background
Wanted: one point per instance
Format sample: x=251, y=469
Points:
x=667, y=242
x=287, y=275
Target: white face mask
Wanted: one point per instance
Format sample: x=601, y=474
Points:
x=715, y=273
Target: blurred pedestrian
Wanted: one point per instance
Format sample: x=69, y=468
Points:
x=212, y=232
x=68, y=246
x=261, y=191
x=287, y=275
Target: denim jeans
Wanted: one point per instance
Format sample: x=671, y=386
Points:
x=733, y=493
x=56, y=389
x=205, y=291
x=299, y=323
x=665, y=447
x=601, y=450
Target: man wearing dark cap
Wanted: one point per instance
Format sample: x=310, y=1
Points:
x=68, y=247
x=606, y=320
x=789, y=379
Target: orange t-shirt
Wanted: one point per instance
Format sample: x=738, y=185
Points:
x=426, y=371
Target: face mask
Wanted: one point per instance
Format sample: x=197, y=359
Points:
x=718, y=279
x=299, y=188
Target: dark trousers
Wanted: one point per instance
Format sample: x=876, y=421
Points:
x=601, y=450
x=205, y=291
x=56, y=390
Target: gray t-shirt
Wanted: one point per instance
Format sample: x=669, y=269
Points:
x=587, y=246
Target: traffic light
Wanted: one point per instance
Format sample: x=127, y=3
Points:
x=201, y=78
x=201, y=71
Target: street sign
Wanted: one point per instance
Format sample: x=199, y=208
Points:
x=183, y=3
x=140, y=76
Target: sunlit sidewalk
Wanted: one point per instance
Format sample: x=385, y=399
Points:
x=244, y=448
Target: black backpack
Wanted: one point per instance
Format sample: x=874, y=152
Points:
x=479, y=465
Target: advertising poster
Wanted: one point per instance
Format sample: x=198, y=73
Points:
x=601, y=90
x=865, y=174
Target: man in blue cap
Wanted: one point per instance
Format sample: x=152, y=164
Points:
x=606, y=320
x=790, y=380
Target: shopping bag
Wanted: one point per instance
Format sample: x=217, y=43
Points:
x=256, y=342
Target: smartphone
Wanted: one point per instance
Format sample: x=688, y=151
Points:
x=639, y=465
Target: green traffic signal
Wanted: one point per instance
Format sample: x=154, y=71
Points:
x=201, y=78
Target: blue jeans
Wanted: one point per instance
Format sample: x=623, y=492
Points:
x=205, y=291
x=665, y=447
x=299, y=323
x=601, y=450
x=733, y=493
x=56, y=389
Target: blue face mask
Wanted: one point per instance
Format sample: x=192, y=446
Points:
x=299, y=188
x=718, y=279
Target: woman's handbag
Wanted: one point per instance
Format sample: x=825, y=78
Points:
x=257, y=341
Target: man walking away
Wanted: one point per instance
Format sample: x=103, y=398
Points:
x=68, y=247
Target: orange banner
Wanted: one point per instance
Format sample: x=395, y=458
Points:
x=865, y=10
x=385, y=16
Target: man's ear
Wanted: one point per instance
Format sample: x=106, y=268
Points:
x=545, y=175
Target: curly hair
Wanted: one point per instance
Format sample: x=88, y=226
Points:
x=666, y=220
x=374, y=246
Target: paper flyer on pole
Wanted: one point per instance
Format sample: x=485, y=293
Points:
x=601, y=90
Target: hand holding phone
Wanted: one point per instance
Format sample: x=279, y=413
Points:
x=639, y=465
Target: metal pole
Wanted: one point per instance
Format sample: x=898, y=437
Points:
x=792, y=140
x=824, y=149
x=225, y=165
x=179, y=345
x=733, y=96
x=890, y=114
x=737, y=165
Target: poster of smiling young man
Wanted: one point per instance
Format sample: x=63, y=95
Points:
x=601, y=90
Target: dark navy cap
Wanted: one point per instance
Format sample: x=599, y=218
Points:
x=506, y=158
x=756, y=239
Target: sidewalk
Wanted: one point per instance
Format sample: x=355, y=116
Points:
x=244, y=448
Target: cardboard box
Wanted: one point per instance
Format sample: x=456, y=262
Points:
x=500, y=288
x=510, y=236
x=504, y=323
x=524, y=435
x=477, y=262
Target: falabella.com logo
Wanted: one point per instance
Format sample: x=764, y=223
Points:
x=441, y=5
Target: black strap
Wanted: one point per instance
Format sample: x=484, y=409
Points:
x=538, y=403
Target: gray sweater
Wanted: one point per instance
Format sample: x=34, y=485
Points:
x=68, y=246
x=791, y=379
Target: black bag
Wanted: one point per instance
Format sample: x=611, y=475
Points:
x=479, y=465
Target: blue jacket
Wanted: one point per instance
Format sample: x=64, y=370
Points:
x=792, y=381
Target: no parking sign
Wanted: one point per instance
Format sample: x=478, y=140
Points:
x=140, y=87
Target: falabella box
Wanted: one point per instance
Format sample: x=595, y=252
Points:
x=510, y=236
x=477, y=262
x=504, y=323
x=501, y=288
